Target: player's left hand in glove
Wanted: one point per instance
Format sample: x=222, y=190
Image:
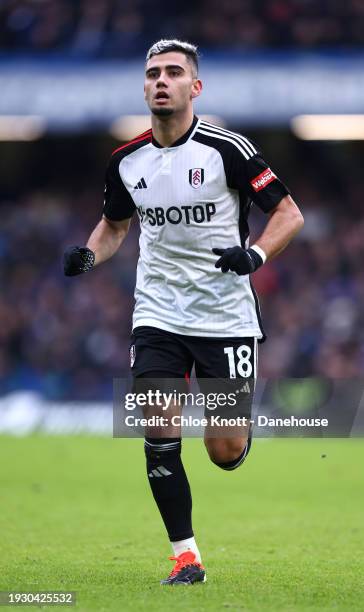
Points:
x=77, y=260
x=239, y=260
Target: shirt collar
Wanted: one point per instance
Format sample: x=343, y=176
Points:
x=180, y=140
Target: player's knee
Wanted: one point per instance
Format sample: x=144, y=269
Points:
x=228, y=454
x=222, y=450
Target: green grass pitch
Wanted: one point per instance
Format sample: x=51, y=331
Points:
x=283, y=532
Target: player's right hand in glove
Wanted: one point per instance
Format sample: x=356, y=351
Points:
x=77, y=260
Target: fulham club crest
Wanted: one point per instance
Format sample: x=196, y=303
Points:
x=196, y=177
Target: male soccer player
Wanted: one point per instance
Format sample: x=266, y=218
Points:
x=192, y=184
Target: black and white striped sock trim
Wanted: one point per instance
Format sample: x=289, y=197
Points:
x=162, y=447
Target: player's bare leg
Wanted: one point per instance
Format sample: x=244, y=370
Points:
x=227, y=447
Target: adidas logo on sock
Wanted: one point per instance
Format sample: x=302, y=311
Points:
x=141, y=184
x=159, y=471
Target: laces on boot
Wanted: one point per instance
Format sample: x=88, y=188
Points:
x=183, y=560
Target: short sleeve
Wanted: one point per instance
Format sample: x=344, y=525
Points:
x=118, y=203
x=251, y=174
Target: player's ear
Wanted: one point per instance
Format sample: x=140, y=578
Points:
x=196, y=88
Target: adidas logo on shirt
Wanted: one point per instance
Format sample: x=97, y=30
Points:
x=141, y=184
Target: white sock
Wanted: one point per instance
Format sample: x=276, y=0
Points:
x=183, y=545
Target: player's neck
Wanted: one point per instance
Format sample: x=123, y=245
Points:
x=167, y=130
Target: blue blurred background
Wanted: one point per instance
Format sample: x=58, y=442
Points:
x=71, y=77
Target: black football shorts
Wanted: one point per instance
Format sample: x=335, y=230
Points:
x=222, y=365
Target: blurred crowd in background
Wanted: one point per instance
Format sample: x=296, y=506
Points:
x=119, y=28
x=69, y=337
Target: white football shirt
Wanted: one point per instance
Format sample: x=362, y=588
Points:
x=191, y=197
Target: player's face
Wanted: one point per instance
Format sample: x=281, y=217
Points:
x=170, y=83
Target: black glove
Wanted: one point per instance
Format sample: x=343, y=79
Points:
x=238, y=260
x=77, y=260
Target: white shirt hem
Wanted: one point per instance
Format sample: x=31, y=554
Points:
x=188, y=331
